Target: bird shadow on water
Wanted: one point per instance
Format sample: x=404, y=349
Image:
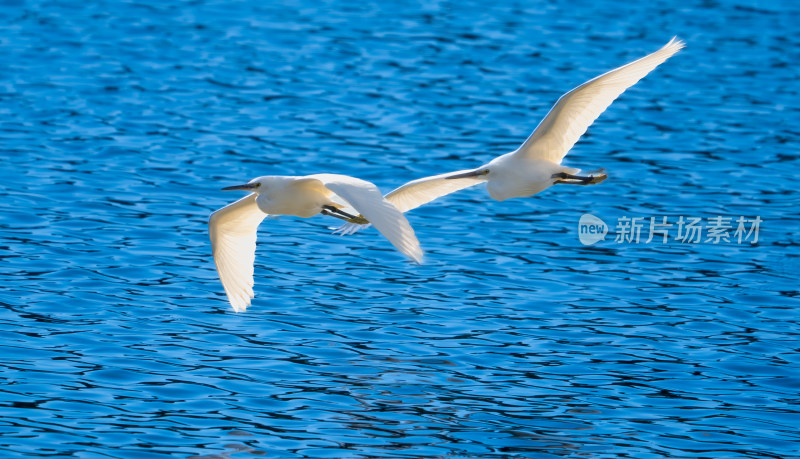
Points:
x=400, y=413
x=388, y=381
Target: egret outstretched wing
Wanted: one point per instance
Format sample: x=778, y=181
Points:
x=233, y=242
x=576, y=110
x=369, y=202
x=421, y=191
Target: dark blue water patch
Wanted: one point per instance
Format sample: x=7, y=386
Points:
x=123, y=120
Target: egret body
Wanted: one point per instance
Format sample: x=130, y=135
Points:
x=233, y=228
x=536, y=164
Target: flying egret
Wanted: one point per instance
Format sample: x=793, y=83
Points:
x=233, y=228
x=536, y=164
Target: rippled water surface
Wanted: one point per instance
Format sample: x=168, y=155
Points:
x=122, y=120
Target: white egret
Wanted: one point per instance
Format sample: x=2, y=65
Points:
x=536, y=164
x=233, y=228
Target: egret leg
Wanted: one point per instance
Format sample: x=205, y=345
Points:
x=340, y=214
x=571, y=179
x=331, y=214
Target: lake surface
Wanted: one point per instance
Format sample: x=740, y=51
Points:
x=122, y=120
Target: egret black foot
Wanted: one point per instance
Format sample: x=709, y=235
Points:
x=570, y=179
x=359, y=220
x=595, y=179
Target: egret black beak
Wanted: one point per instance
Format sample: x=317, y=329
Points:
x=475, y=173
x=245, y=187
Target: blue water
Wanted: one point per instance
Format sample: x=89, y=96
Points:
x=121, y=121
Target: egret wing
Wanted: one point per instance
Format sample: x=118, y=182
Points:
x=232, y=230
x=576, y=110
x=421, y=191
x=368, y=201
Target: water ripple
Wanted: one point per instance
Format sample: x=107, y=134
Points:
x=513, y=340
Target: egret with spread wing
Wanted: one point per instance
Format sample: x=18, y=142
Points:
x=536, y=165
x=233, y=228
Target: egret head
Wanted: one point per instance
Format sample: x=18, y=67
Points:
x=257, y=185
